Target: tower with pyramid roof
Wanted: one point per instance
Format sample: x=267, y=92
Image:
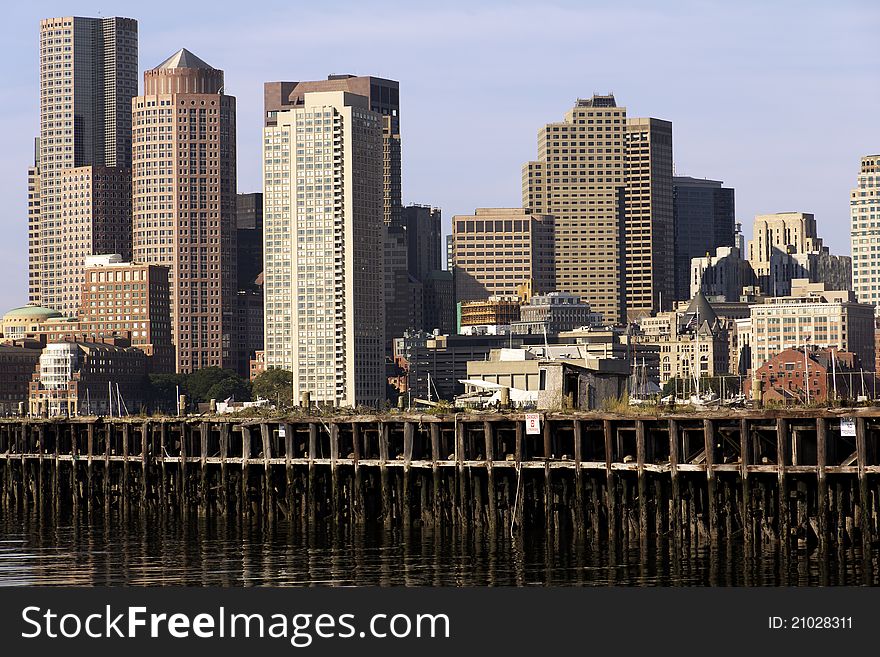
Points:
x=184, y=202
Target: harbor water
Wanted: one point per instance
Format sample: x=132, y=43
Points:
x=199, y=551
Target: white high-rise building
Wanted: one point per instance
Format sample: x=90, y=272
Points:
x=865, y=232
x=323, y=248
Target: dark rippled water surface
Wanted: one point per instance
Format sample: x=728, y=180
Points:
x=202, y=552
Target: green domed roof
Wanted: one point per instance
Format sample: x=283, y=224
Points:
x=32, y=312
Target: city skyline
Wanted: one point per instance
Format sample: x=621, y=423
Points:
x=721, y=126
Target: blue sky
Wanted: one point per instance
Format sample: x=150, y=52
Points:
x=778, y=99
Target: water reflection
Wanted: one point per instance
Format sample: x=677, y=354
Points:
x=201, y=552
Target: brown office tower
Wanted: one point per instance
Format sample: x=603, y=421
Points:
x=649, y=233
x=579, y=179
x=127, y=297
x=184, y=205
x=502, y=252
x=96, y=211
x=88, y=76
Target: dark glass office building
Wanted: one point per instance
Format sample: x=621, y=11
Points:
x=703, y=214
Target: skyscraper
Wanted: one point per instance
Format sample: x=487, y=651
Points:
x=865, y=213
x=427, y=281
x=423, y=235
x=34, y=259
x=383, y=98
x=249, y=238
x=184, y=202
x=579, y=179
x=88, y=76
x=703, y=213
x=404, y=293
x=323, y=247
x=96, y=212
x=649, y=278
x=249, y=297
x=502, y=251
x=607, y=182
x=786, y=246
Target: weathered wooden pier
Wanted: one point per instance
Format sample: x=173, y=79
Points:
x=789, y=476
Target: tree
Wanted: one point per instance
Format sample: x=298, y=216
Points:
x=235, y=387
x=274, y=385
x=163, y=391
x=200, y=382
x=200, y=386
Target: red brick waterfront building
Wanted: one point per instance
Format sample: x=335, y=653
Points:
x=787, y=376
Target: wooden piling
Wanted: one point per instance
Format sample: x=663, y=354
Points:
x=383, y=429
x=335, y=505
x=461, y=509
x=864, y=502
x=578, y=478
x=268, y=506
x=358, y=485
x=124, y=486
x=548, y=484
x=74, y=483
x=204, y=433
x=822, y=482
x=244, y=503
x=311, y=492
x=783, y=510
x=145, y=463
x=611, y=486
x=288, y=469
x=163, y=452
x=489, y=435
x=745, y=503
x=223, y=494
x=675, y=493
x=709, y=437
x=435, y=471
x=182, y=471
x=641, y=490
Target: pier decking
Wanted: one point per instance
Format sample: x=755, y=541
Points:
x=767, y=476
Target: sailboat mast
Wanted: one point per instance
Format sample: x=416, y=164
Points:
x=698, y=368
